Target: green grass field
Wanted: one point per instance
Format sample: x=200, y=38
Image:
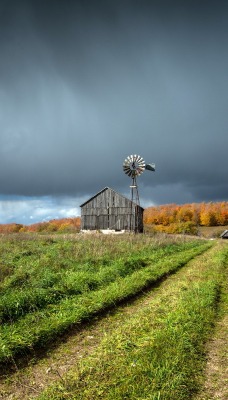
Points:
x=49, y=284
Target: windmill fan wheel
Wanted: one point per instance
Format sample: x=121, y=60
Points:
x=134, y=165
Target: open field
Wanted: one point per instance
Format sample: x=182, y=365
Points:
x=169, y=288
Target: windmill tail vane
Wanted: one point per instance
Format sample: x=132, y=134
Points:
x=150, y=167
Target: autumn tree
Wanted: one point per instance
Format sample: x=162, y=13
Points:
x=205, y=214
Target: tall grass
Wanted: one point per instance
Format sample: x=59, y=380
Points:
x=56, y=283
x=32, y=288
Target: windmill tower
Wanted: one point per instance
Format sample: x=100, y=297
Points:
x=134, y=166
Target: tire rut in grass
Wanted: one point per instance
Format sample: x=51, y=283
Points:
x=216, y=373
x=215, y=386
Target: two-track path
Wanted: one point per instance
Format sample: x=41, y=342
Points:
x=30, y=380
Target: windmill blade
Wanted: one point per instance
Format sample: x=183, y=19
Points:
x=139, y=158
x=141, y=161
x=140, y=169
x=126, y=167
x=150, y=167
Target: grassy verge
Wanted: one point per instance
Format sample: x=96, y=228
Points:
x=158, y=353
x=41, y=326
x=34, y=284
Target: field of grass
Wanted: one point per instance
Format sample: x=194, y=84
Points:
x=48, y=284
x=51, y=284
x=158, y=352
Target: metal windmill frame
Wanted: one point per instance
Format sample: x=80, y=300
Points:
x=134, y=166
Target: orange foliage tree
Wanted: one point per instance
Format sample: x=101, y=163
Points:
x=10, y=228
x=55, y=225
x=206, y=214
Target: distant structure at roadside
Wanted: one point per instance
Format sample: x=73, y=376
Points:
x=224, y=235
x=109, y=210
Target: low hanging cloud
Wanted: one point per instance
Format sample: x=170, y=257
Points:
x=28, y=210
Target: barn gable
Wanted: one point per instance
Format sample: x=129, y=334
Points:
x=110, y=210
x=224, y=235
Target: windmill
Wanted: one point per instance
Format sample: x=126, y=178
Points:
x=134, y=166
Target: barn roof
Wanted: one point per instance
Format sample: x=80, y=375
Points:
x=101, y=191
x=224, y=234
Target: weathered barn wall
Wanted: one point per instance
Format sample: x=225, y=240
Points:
x=110, y=210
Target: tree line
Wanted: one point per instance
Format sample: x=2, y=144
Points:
x=173, y=218
x=68, y=225
x=205, y=214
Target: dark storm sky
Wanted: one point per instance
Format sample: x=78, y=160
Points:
x=83, y=84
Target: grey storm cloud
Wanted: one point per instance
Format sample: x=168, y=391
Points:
x=85, y=84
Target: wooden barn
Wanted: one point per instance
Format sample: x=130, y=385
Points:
x=110, y=210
